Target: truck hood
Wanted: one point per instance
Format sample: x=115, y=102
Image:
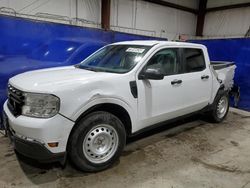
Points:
x=53, y=79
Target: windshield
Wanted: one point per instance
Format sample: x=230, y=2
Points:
x=115, y=58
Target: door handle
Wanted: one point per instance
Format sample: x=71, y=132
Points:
x=175, y=82
x=203, y=77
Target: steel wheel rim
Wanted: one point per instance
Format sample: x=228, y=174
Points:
x=222, y=107
x=100, y=143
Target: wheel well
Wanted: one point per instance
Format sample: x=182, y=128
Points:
x=114, y=109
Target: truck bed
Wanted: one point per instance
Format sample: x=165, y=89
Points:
x=225, y=71
x=217, y=65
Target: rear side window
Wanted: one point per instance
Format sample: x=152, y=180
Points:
x=193, y=60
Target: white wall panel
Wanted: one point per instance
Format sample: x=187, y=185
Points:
x=60, y=7
x=86, y=9
x=214, y=3
x=122, y=12
x=164, y=21
x=227, y=23
x=90, y=10
x=187, y=3
x=4, y=3
x=133, y=16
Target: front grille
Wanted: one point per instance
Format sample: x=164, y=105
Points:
x=15, y=100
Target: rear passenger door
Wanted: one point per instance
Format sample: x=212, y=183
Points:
x=196, y=78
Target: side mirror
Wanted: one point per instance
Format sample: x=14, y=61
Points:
x=151, y=74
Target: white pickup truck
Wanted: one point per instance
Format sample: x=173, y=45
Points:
x=87, y=111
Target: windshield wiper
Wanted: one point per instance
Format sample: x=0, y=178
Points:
x=86, y=68
x=95, y=69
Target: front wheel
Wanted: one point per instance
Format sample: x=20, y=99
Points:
x=97, y=141
x=220, y=108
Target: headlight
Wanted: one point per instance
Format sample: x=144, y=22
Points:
x=40, y=105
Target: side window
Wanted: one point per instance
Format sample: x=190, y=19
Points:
x=165, y=60
x=193, y=60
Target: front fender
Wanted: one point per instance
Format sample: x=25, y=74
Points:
x=105, y=100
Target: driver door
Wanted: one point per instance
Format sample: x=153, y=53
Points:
x=160, y=100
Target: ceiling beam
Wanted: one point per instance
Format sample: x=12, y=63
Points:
x=241, y=5
x=172, y=5
x=201, y=17
x=105, y=11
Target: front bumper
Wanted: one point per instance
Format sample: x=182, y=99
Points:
x=36, y=150
x=32, y=135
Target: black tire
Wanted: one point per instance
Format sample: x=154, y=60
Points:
x=214, y=115
x=77, y=151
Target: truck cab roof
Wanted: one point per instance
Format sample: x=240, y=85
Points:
x=158, y=42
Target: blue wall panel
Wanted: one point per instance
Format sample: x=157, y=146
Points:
x=237, y=50
x=24, y=44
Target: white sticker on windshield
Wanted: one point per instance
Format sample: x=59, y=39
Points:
x=135, y=50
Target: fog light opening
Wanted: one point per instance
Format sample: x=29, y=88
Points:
x=53, y=144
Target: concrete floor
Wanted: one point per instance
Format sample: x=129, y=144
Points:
x=190, y=153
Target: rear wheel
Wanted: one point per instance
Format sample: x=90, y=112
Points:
x=97, y=141
x=220, y=108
